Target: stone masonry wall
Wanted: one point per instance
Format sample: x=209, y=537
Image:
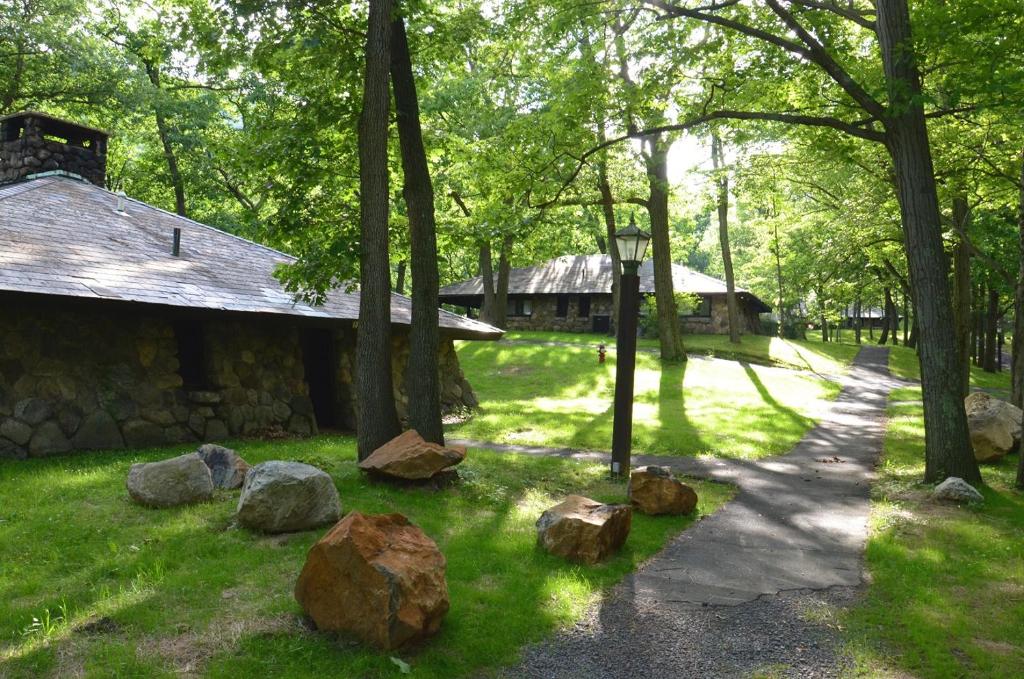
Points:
x=76, y=380
x=456, y=392
x=544, y=316
x=32, y=153
x=718, y=322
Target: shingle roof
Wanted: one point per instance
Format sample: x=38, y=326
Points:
x=62, y=236
x=590, y=274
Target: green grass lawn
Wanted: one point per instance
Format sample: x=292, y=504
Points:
x=947, y=584
x=819, y=357
x=93, y=585
x=560, y=396
x=903, y=363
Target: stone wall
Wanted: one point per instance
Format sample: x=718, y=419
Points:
x=76, y=379
x=32, y=152
x=544, y=316
x=456, y=392
x=718, y=322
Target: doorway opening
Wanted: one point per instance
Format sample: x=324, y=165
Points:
x=319, y=366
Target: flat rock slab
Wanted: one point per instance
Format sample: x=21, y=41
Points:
x=408, y=457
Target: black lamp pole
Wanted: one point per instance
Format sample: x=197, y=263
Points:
x=632, y=244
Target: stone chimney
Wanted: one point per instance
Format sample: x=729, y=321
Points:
x=33, y=143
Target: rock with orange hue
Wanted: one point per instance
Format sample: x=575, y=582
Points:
x=994, y=426
x=653, y=490
x=584, y=530
x=411, y=458
x=376, y=577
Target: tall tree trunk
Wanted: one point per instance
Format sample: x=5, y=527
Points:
x=991, y=330
x=163, y=130
x=422, y=380
x=781, y=330
x=1017, y=347
x=501, y=293
x=886, y=318
x=669, y=332
x=608, y=210
x=857, y=320
x=487, y=278
x=722, y=180
x=962, y=289
x=948, y=450
x=378, y=419
x=892, y=311
x=400, y=277
x=979, y=327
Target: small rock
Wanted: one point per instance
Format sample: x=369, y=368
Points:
x=653, y=490
x=584, y=530
x=283, y=497
x=178, y=481
x=227, y=468
x=376, y=577
x=409, y=457
x=955, y=489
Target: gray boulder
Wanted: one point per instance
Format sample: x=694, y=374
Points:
x=48, y=439
x=283, y=497
x=227, y=468
x=994, y=426
x=956, y=490
x=180, y=480
x=16, y=431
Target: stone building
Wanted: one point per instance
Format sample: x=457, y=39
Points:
x=574, y=294
x=125, y=325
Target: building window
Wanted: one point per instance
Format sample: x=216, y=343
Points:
x=520, y=307
x=562, y=306
x=584, y=303
x=191, y=353
x=701, y=308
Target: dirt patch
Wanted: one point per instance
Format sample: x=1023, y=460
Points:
x=998, y=647
x=516, y=370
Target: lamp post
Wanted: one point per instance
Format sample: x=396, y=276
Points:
x=631, y=243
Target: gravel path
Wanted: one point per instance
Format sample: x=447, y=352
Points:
x=750, y=588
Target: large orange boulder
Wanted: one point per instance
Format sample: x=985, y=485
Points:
x=653, y=490
x=378, y=578
x=584, y=530
x=411, y=458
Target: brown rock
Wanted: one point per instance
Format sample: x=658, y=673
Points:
x=653, y=490
x=994, y=426
x=410, y=457
x=583, y=530
x=376, y=577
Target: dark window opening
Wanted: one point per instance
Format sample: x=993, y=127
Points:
x=602, y=324
x=584, y=303
x=318, y=366
x=562, y=306
x=701, y=307
x=520, y=307
x=191, y=353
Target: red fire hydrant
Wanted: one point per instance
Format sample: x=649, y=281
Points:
x=600, y=353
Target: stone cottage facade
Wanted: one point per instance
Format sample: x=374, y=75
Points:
x=573, y=294
x=108, y=339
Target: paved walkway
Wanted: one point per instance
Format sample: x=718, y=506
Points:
x=792, y=537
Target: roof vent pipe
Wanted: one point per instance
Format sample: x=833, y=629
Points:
x=176, y=247
x=121, y=201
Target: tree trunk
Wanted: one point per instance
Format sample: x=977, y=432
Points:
x=948, y=449
x=857, y=320
x=378, y=419
x=979, y=327
x=669, y=333
x=962, y=290
x=501, y=293
x=906, y=318
x=892, y=313
x=608, y=210
x=487, y=308
x=400, y=277
x=886, y=318
x=781, y=330
x=722, y=180
x=991, y=330
x=422, y=380
x=824, y=328
x=1017, y=347
x=164, y=132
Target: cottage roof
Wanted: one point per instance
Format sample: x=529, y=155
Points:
x=591, y=274
x=62, y=236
